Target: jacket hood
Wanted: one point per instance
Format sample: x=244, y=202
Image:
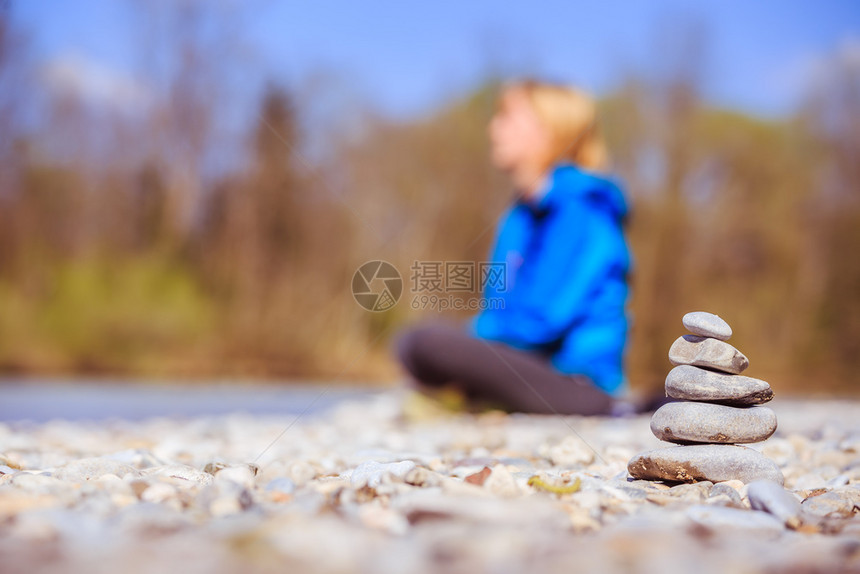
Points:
x=602, y=191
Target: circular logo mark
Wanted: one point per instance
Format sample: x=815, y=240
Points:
x=377, y=285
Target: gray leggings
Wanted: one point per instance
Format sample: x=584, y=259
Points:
x=441, y=354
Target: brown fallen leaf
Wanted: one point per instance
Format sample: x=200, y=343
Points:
x=479, y=477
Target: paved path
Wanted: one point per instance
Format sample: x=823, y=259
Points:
x=43, y=400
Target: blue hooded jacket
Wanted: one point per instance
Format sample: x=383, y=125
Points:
x=566, y=266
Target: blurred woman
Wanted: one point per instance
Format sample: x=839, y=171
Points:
x=551, y=336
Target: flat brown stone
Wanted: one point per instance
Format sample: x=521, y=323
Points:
x=714, y=462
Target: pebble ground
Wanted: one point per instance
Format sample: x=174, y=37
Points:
x=361, y=487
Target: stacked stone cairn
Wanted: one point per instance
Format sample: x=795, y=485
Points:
x=717, y=411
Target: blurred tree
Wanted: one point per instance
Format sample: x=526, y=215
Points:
x=275, y=184
x=13, y=58
x=150, y=207
x=832, y=115
x=151, y=242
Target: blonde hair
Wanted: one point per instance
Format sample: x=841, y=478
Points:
x=571, y=117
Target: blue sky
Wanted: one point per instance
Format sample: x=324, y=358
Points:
x=407, y=57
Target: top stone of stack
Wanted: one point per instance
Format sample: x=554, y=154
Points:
x=707, y=346
x=707, y=325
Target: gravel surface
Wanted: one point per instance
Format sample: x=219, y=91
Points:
x=379, y=484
